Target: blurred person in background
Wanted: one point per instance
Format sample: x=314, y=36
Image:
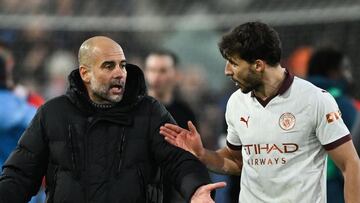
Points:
x=161, y=77
x=15, y=114
x=9, y=61
x=103, y=144
x=30, y=97
x=297, y=62
x=193, y=80
x=330, y=70
x=194, y=89
x=57, y=68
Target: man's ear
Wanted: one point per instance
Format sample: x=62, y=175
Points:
x=260, y=65
x=84, y=73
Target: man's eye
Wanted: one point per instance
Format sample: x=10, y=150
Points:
x=123, y=65
x=108, y=66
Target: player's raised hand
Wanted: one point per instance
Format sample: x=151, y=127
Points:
x=202, y=194
x=188, y=140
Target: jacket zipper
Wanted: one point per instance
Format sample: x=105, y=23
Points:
x=121, y=151
x=86, y=154
x=76, y=172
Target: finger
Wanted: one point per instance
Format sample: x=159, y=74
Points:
x=171, y=141
x=174, y=127
x=215, y=186
x=192, y=128
x=168, y=133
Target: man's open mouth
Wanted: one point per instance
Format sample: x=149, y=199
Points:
x=117, y=89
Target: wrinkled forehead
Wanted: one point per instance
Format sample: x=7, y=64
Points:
x=108, y=52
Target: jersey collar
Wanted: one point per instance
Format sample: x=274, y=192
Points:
x=285, y=85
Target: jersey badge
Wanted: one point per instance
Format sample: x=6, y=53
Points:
x=287, y=121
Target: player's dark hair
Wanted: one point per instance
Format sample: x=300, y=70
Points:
x=164, y=52
x=324, y=60
x=252, y=41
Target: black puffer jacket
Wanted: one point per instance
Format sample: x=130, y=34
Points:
x=92, y=153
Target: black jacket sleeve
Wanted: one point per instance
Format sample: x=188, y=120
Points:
x=185, y=171
x=23, y=170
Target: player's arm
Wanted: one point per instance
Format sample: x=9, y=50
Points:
x=347, y=160
x=225, y=161
x=335, y=137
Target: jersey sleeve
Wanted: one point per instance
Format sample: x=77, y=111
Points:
x=330, y=127
x=232, y=139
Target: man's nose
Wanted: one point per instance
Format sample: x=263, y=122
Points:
x=119, y=71
x=228, y=69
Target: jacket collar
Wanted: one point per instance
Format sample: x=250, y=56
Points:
x=134, y=92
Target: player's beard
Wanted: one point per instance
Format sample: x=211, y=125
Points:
x=102, y=91
x=251, y=82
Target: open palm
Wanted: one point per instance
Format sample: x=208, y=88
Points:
x=188, y=140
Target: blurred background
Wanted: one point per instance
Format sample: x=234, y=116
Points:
x=42, y=37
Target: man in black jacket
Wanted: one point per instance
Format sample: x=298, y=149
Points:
x=100, y=142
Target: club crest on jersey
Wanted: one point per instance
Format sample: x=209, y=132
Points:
x=287, y=121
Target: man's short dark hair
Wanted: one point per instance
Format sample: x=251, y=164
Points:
x=252, y=41
x=164, y=52
x=325, y=60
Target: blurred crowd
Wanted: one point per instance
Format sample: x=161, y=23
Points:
x=159, y=7
x=102, y=8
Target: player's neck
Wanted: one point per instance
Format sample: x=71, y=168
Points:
x=272, y=80
x=165, y=98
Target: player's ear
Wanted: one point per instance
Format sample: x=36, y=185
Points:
x=259, y=65
x=84, y=73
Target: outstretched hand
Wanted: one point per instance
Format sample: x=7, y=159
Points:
x=203, y=193
x=188, y=140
